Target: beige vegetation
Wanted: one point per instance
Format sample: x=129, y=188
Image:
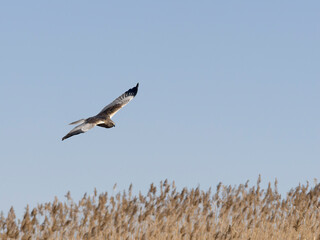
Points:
x=240, y=212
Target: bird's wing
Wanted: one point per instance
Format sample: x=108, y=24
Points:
x=119, y=102
x=82, y=128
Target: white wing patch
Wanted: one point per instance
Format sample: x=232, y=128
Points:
x=86, y=126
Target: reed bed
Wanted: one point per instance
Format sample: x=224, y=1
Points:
x=228, y=212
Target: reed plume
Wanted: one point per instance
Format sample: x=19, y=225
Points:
x=231, y=212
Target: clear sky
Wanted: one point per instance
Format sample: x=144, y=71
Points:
x=228, y=90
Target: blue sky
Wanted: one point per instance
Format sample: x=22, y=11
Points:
x=228, y=90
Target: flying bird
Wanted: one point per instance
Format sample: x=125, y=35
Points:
x=103, y=118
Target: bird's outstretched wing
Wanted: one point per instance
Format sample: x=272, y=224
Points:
x=105, y=115
x=111, y=109
x=82, y=128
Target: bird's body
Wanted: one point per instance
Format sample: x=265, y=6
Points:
x=103, y=118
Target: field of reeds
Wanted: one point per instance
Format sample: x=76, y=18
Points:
x=227, y=212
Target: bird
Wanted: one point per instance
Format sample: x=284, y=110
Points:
x=103, y=118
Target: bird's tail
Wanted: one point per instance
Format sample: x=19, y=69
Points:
x=78, y=122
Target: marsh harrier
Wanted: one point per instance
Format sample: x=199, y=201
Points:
x=103, y=118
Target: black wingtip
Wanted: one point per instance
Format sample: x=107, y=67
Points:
x=66, y=136
x=133, y=91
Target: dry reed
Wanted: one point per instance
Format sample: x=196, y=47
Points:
x=240, y=212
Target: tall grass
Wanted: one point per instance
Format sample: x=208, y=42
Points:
x=240, y=212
